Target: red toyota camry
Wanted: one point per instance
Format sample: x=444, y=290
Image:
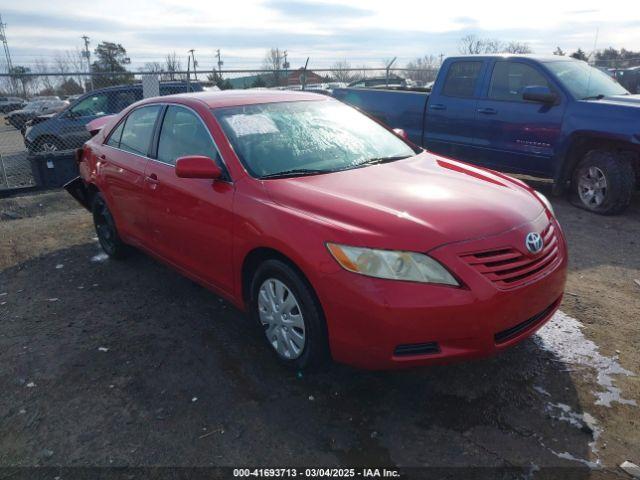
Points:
x=339, y=237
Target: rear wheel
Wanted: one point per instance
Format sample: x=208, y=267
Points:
x=106, y=229
x=285, y=306
x=603, y=182
x=48, y=145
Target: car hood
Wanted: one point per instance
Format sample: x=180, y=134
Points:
x=623, y=100
x=416, y=204
x=22, y=112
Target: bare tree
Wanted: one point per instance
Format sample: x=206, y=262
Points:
x=517, y=47
x=44, y=82
x=423, y=69
x=342, y=72
x=273, y=61
x=68, y=62
x=172, y=65
x=471, y=45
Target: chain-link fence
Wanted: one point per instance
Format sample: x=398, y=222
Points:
x=46, y=114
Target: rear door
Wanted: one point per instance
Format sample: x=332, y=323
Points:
x=451, y=110
x=514, y=134
x=122, y=162
x=190, y=219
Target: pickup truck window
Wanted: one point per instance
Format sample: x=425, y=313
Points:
x=462, y=79
x=584, y=81
x=509, y=79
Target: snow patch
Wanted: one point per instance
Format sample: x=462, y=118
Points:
x=100, y=257
x=563, y=337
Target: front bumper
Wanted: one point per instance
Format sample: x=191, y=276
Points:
x=385, y=324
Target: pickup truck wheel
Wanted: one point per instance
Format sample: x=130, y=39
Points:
x=106, y=229
x=284, y=305
x=603, y=182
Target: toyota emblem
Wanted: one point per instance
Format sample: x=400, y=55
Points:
x=534, y=242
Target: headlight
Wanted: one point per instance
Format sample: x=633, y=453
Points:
x=546, y=202
x=394, y=265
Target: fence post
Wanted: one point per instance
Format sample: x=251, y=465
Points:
x=4, y=172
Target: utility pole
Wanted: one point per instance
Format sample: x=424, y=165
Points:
x=87, y=54
x=303, y=75
x=220, y=63
x=441, y=57
x=7, y=55
x=195, y=64
x=389, y=68
x=285, y=65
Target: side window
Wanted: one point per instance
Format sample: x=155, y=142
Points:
x=92, y=105
x=138, y=129
x=509, y=79
x=121, y=100
x=183, y=133
x=114, y=138
x=462, y=79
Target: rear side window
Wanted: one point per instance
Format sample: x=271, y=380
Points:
x=114, y=138
x=183, y=133
x=462, y=79
x=138, y=129
x=509, y=79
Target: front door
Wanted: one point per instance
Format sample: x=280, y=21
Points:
x=190, y=219
x=514, y=134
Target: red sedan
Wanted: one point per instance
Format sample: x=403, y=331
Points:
x=339, y=237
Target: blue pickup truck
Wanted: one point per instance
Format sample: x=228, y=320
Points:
x=551, y=117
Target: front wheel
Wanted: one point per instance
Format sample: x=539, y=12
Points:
x=106, y=229
x=285, y=306
x=48, y=145
x=603, y=182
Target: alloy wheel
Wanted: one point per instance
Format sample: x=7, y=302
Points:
x=592, y=187
x=282, y=318
x=47, y=147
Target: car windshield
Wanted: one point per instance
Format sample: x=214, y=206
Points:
x=584, y=81
x=307, y=137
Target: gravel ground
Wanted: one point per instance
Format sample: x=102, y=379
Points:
x=107, y=363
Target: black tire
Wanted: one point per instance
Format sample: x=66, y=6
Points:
x=315, y=353
x=607, y=173
x=106, y=229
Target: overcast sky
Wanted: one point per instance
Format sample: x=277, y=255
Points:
x=361, y=31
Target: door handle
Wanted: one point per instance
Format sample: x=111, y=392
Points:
x=437, y=106
x=152, y=180
x=487, y=111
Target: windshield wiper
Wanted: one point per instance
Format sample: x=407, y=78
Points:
x=594, y=97
x=379, y=160
x=296, y=172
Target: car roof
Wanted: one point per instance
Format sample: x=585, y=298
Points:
x=537, y=58
x=232, y=98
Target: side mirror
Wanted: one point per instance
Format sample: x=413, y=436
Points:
x=401, y=133
x=539, y=94
x=197, y=166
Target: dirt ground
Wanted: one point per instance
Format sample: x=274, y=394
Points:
x=106, y=363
